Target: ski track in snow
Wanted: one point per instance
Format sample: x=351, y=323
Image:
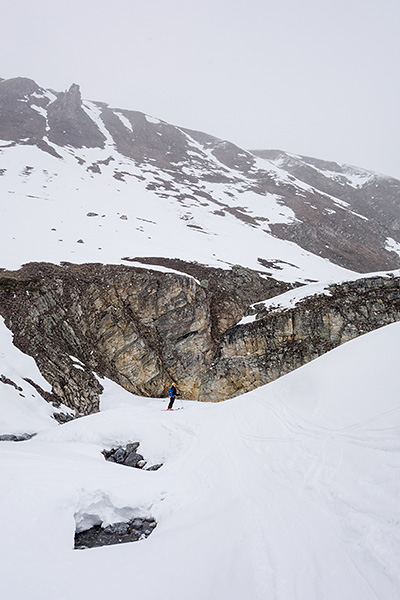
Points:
x=289, y=492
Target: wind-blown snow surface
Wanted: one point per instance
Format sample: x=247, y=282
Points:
x=290, y=492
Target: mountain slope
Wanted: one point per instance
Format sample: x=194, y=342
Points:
x=83, y=182
x=369, y=195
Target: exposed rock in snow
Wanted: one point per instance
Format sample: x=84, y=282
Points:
x=129, y=457
x=116, y=533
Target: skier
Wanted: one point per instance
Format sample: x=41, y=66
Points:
x=172, y=395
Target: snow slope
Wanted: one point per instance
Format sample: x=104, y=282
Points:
x=22, y=409
x=290, y=492
x=54, y=210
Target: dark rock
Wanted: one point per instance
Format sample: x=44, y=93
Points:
x=132, y=447
x=133, y=459
x=137, y=523
x=62, y=418
x=116, y=533
x=118, y=528
x=154, y=467
x=10, y=437
x=69, y=124
x=119, y=455
x=126, y=456
x=8, y=381
x=339, y=234
x=108, y=453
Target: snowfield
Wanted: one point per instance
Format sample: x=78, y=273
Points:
x=59, y=210
x=289, y=492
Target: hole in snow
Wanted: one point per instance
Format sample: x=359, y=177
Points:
x=115, y=533
x=101, y=523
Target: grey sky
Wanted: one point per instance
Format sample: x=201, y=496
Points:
x=315, y=77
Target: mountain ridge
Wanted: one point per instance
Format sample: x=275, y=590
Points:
x=281, y=206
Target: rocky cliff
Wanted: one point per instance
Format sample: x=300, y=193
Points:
x=144, y=328
x=278, y=342
x=138, y=327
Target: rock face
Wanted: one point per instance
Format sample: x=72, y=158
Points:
x=68, y=123
x=140, y=328
x=133, y=326
x=230, y=292
x=144, y=329
x=19, y=118
x=278, y=342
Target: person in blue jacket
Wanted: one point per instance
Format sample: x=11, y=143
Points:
x=172, y=395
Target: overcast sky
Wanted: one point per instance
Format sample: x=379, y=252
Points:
x=313, y=77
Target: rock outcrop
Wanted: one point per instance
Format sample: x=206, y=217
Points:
x=144, y=328
x=138, y=327
x=69, y=124
x=20, y=119
x=278, y=342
